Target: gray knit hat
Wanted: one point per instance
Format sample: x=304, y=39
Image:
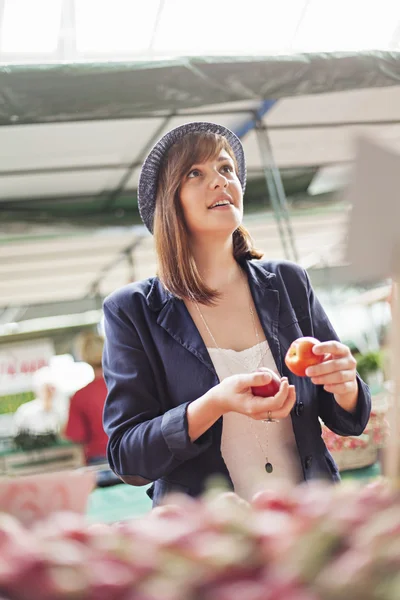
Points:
x=148, y=180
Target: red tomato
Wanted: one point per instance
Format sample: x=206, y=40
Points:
x=300, y=355
x=268, y=389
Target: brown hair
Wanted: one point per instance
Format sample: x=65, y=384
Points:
x=90, y=348
x=177, y=269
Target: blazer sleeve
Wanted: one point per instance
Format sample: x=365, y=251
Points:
x=333, y=415
x=145, y=442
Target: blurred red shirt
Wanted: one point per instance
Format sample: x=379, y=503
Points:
x=85, y=420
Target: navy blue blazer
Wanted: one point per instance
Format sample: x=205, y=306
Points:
x=156, y=363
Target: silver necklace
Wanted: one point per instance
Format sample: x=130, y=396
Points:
x=268, y=465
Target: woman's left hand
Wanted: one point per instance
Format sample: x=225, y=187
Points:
x=338, y=373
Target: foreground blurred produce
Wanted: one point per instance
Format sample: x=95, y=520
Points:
x=314, y=543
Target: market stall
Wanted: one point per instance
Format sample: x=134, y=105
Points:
x=72, y=139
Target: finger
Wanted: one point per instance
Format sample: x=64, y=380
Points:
x=288, y=404
x=341, y=388
x=280, y=398
x=284, y=410
x=259, y=404
x=247, y=380
x=332, y=347
x=334, y=378
x=273, y=402
x=331, y=366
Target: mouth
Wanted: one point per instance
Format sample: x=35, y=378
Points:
x=224, y=200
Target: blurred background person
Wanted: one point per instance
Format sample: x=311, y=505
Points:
x=43, y=414
x=84, y=425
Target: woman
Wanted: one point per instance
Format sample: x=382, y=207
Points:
x=184, y=349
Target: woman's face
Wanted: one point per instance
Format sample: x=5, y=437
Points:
x=211, y=197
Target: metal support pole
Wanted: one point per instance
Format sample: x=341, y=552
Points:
x=160, y=10
x=281, y=196
x=98, y=299
x=114, y=195
x=12, y=314
x=67, y=40
x=276, y=192
x=131, y=264
x=125, y=254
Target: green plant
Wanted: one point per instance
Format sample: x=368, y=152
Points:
x=369, y=363
x=26, y=440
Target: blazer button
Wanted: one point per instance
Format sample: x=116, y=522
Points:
x=308, y=462
x=299, y=409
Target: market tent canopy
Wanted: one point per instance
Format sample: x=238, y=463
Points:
x=73, y=138
x=82, y=132
x=60, y=93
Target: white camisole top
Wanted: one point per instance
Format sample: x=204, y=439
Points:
x=245, y=456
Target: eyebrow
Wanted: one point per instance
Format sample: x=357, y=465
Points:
x=219, y=159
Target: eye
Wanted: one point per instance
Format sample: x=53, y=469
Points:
x=227, y=168
x=193, y=173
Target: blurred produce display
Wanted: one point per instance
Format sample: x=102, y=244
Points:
x=356, y=452
x=315, y=542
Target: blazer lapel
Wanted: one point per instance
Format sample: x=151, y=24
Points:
x=266, y=300
x=176, y=320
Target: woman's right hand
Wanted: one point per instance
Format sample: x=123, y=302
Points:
x=234, y=394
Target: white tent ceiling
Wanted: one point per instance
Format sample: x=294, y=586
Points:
x=69, y=266
x=91, y=158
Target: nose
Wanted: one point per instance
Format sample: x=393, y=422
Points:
x=218, y=180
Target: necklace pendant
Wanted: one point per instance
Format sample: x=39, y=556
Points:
x=268, y=467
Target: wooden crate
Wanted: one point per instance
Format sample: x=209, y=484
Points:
x=44, y=460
